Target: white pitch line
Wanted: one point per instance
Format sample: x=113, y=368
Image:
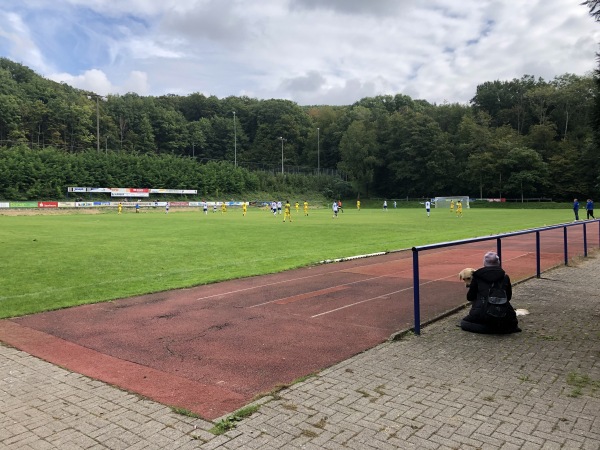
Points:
x=274, y=284
x=395, y=292
x=309, y=292
x=378, y=297
x=358, y=303
x=258, y=287
x=297, y=279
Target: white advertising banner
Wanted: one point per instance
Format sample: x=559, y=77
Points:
x=135, y=191
x=129, y=194
x=174, y=191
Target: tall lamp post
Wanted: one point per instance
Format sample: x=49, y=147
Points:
x=97, y=97
x=234, y=141
x=97, y=125
x=282, y=141
x=318, y=154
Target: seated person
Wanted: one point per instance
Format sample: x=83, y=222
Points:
x=478, y=320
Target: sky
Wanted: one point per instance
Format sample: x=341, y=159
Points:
x=313, y=52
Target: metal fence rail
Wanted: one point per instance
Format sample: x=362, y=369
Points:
x=498, y=238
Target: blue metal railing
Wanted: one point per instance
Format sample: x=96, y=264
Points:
x=498, y=238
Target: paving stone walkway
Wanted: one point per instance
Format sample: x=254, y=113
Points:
x=445, y=389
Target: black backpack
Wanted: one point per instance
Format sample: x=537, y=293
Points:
x=495, y=302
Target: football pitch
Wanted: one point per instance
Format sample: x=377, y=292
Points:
x=60, y=260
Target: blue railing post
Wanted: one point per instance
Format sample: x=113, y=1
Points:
x=565, y=245
x=499, y=249
x=417, y=304
x=538, y=255
x=584, y=240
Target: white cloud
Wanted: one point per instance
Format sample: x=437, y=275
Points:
x=309, y=51
x=97, y=81
x=136, y=82
x=20, y=42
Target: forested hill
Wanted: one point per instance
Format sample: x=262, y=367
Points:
x=525, y=137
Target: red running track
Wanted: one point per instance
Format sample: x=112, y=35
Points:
x=212, y=349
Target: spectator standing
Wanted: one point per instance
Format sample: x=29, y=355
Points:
x=589, y=208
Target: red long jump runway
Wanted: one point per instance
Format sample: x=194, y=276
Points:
x=211, y=349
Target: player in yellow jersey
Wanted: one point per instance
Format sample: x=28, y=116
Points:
x=223, y=208
x=120, y=207
x=305, y=208
x=287, y=211
x=459, y=209
x=297, y=207
x=244, y=208
x=358, y=204
x=451, y=206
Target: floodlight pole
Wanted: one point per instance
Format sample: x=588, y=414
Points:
x=97, y=97
x=282, y=141
x=97, y=126
x=234, y=141
x=318, y=154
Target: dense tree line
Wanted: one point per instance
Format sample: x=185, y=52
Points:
x=526, y=137
x=45, y=174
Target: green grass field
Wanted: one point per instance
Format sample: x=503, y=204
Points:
x=60, y=260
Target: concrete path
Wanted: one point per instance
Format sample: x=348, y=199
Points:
x=445, y=389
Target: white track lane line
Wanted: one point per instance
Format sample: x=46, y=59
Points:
x=276, y=283
x=378, y=297
x=337, y=285
x=395, y=292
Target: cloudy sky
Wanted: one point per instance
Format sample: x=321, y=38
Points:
x=310, y=51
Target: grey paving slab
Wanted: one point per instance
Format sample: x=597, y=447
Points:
x=445, y=389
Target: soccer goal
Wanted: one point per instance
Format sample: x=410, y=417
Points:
x=444, y=202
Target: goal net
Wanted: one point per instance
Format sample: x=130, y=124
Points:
x=445, y=202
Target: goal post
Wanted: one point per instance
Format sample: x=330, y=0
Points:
x=444, y=202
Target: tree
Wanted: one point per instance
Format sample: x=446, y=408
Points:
x=542, y=138
x=542, y=100
x=594, y=7
x=574, y=94
x=197, y=136
x=358, y=148
x=10, y=117
x=527, y=173
x=170, y=130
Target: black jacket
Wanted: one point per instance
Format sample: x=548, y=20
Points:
x=482, y=279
